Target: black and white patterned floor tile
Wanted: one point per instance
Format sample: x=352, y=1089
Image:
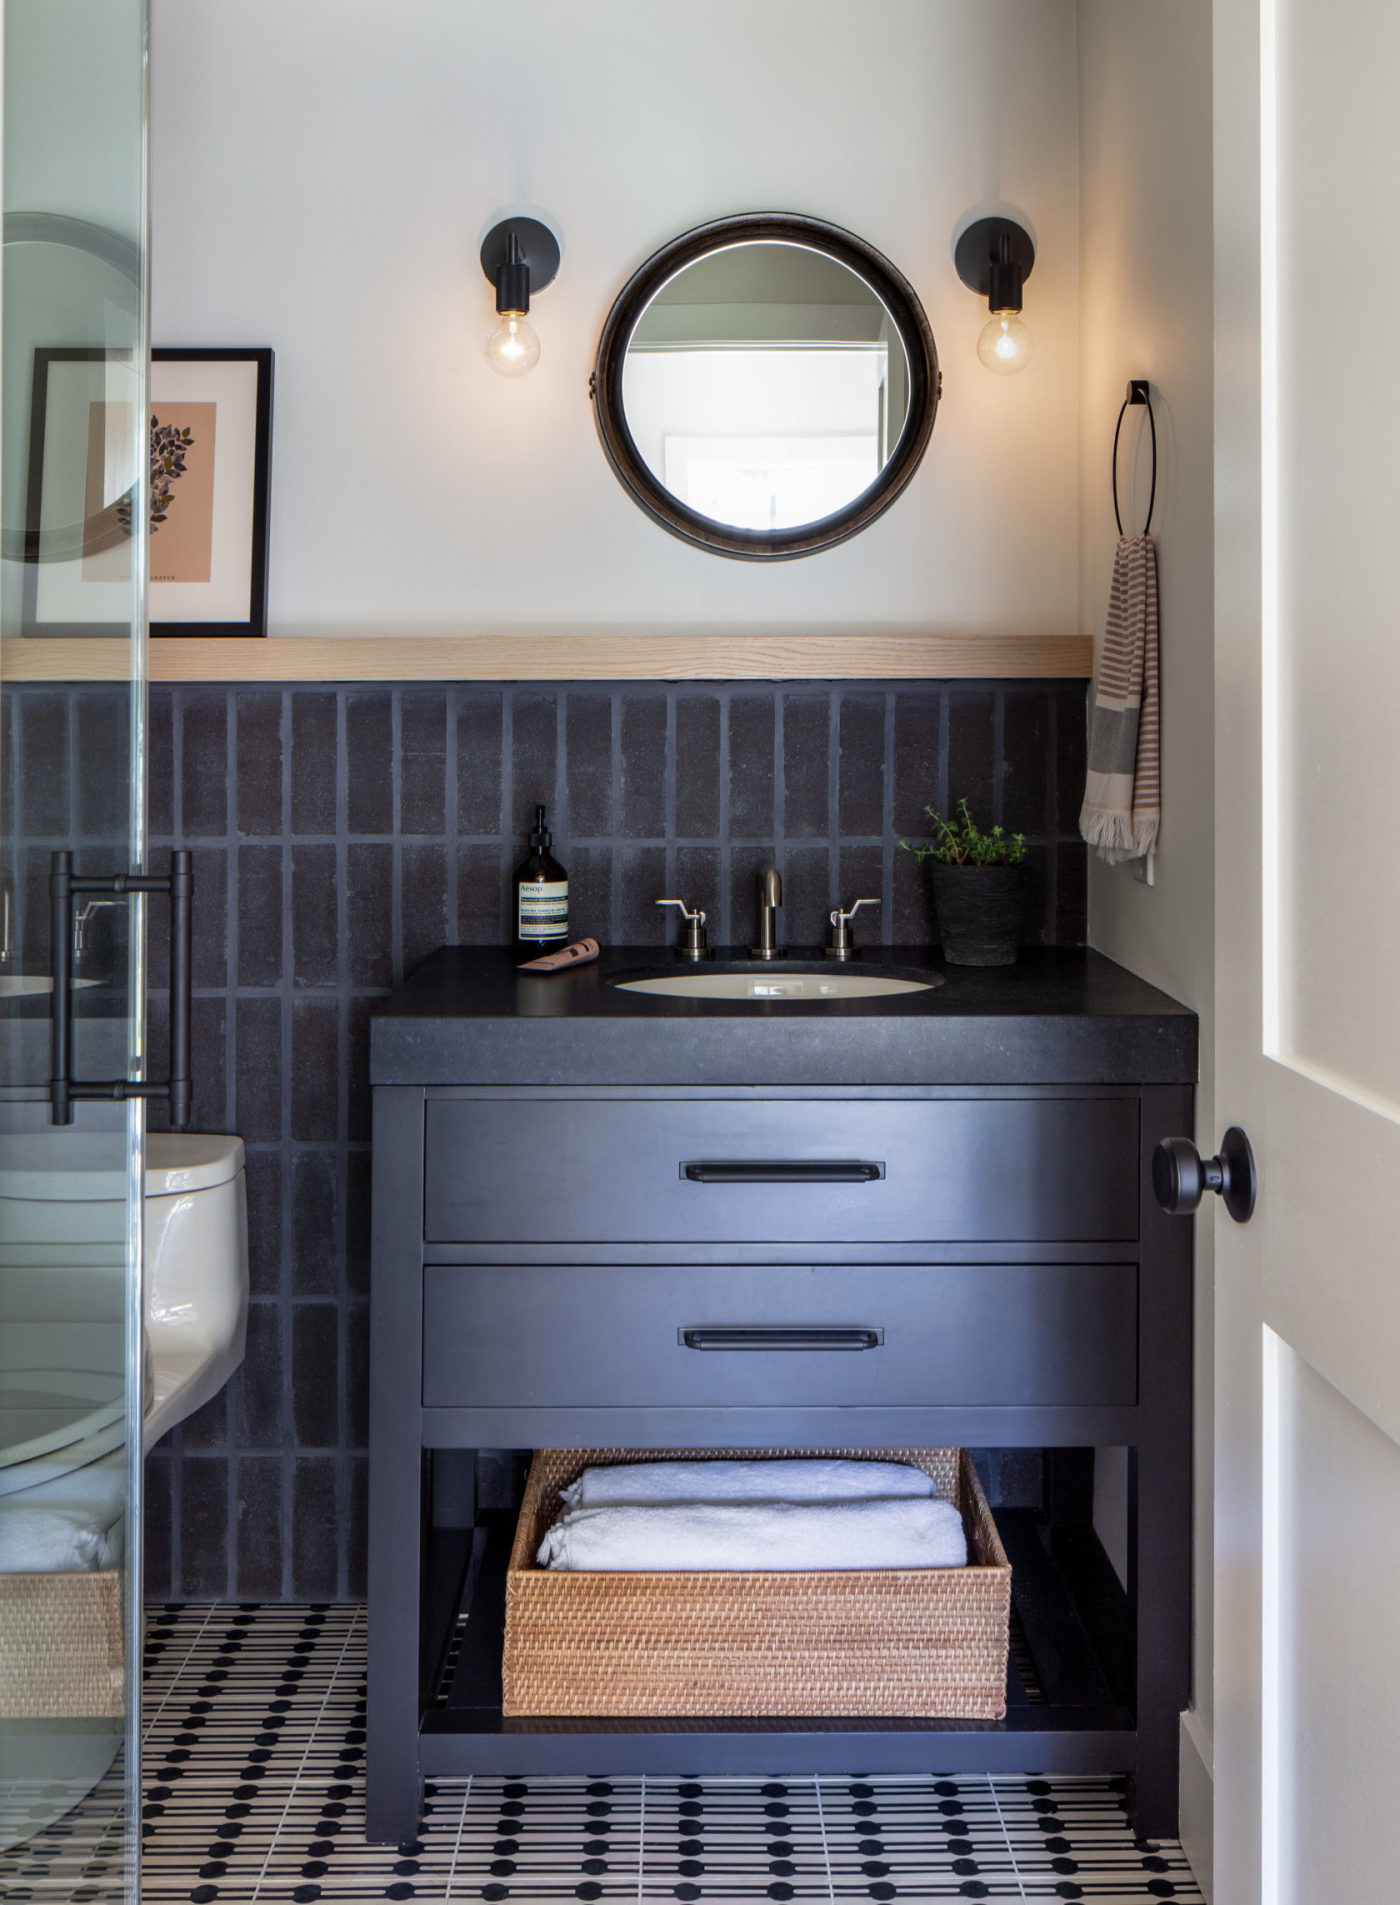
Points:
x=254, y=1752
x=79, y=1857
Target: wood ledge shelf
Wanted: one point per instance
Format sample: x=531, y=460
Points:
x=561, y=656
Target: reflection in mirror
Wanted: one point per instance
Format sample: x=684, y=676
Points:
x=71, y=444
x=765, y=385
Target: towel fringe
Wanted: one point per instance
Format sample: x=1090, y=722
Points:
x=1117, y=835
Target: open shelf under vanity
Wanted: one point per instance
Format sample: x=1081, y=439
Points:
x=1071, y=1651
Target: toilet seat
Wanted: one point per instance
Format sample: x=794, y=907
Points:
x=73, y=1386
x=89, y=1168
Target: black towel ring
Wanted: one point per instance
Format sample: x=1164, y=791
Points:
x=1137, y=394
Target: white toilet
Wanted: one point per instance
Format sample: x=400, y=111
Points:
x=62, y=1377
x=62, y=1282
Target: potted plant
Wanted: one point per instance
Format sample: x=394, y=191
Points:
x=979, y=888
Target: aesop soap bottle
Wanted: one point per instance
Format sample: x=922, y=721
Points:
x=541, y=895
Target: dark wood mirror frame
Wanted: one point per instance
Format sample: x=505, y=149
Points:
x=899, y=299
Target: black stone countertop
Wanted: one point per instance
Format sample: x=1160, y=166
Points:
x=468, y=1017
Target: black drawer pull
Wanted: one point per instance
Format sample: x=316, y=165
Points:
x=783, y=1171
x=782, y=1339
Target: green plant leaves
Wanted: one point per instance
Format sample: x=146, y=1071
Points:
x=960, y=842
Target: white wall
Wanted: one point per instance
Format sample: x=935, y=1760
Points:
x=322, y=174
x=1146, y=311
x=73, y=116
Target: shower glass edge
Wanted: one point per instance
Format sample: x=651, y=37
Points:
x=74, y=529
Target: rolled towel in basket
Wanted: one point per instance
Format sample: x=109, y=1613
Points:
x=699, y=1537
x=68, y=1524
x=805, y=1479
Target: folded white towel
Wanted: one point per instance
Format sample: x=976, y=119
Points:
x=805, y=1479
x=55, y=1541
x=68, y=1524
x=671, y=1537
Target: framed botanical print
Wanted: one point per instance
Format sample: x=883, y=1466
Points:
x=211, y=459
x=84, y=444
x=208, y=453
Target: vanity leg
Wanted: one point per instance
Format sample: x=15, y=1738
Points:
x=393, y=1787
x=1161, y=1484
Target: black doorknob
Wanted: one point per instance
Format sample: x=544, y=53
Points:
x=1181, y=1177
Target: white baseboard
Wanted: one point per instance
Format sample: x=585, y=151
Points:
x=1198, y=1799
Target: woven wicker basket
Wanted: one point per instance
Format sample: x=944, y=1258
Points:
x=922, y=1643
x=61, y=1646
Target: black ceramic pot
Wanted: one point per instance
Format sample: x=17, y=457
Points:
x=979, y=912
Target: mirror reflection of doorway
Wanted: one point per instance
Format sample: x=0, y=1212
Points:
x=757, y=386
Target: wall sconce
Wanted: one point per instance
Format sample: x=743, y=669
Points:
x=994, y=256
x=518, y=255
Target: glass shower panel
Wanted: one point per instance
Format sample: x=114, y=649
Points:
x=74, y=484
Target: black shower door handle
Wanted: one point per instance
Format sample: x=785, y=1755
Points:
x=64, y=886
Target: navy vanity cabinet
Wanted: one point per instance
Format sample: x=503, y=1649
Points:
x=607, y=1221
x=788, y=1171
x=1044, y=1307
x=777, y=1336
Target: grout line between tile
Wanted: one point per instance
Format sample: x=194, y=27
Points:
x=1054, y=819
x=887, y=841
x=395, y=835
x=642, y=1841
x=1006, y=1836
x=826, y=1853
x=306, y=1752
x=150, y=1719
x=457, y=1842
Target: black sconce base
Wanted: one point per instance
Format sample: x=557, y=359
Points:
x=978, y=248
x=539, y=250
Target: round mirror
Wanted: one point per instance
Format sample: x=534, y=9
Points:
x=766, y=385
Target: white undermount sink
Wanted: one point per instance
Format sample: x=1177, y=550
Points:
x=775, y=987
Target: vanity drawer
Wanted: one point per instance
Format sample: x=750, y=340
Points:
x=619, y=1336
x=977, y=1170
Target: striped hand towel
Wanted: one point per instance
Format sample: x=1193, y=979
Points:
x=1123, y=793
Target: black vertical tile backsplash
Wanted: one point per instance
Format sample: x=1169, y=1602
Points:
x=642, y=768
x=203, y=763
x=806, y=766
x=341, y=833
x=533, y=729
x=315, y=723
x=698, y=762
x=259, y=764
x=752, y=720
x=258, y=1551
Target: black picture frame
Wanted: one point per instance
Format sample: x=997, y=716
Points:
x=47, y=539
x=50, y=536
x=256, y=623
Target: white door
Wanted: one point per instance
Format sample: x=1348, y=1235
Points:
x=1307, y=1801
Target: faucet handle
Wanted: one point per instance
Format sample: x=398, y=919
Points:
x=692, y=944
x=841, y=945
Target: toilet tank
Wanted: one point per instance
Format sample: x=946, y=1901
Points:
x=196, y=1271
x=196, y=1235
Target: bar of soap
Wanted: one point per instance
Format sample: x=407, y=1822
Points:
x=578, y=954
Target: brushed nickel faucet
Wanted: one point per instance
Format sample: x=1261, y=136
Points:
x=693, y=943
x=841, y=945
x=770, y=898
